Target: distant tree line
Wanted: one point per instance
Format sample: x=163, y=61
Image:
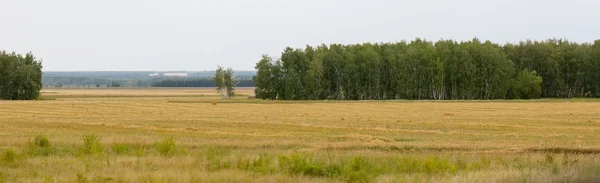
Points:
x=20, y=76
x=136, y=75
x=196, y=82
x=155, y=82
x=74, y=81
x=442, y=70
x=133, y=79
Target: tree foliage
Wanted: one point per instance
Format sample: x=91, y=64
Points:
x=115, y=84
x=20, y=76
x=225, y=81
x=267, y=84
x=441, y=70
x=527, y=85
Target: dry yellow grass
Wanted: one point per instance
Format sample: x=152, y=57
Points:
x=507, y=133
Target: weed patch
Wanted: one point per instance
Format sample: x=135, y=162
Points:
x=261, y=164
x=297, y=164
x=167, y=147
x=91, y=145
x=214, y=159
x=356, y=169
x=360, y=169
x=430, y=165
x=121, y=149
x=10, y=157
x=40, y=146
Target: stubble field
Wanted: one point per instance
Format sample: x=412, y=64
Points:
x=178, y=135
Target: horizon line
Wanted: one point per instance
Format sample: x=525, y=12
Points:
x=140, y=71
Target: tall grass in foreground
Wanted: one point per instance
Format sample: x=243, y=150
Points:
x=91, y=145
x=347, y=168
x=167, y=147
x=121, y=149
x=362, y=169
x=40, y=146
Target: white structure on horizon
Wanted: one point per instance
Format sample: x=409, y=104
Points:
x=153, y=75
x=176, y=74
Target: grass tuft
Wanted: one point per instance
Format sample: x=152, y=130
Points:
x=10, y=157
x=41, y=141
x=121, y=149
x=297, y=164
x=91, y=145
x=261, y=164
x=214, y=159
x=166, y=147
x=40, y=146
x=356, y=169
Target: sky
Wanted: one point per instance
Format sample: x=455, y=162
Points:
x=197, y=35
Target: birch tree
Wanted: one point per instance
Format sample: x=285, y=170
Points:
x=225, y=80
x=420, y=69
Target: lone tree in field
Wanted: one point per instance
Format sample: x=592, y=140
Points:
x=225, y=81
x=20, y=76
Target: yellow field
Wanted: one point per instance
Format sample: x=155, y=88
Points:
x=246, y=140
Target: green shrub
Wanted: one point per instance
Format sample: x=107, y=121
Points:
x=358, y=169
x=527, y=85
x=91, y=145
x=40, y=146
x=10, y=156
x=41, y=141
x=438, y=165
x=300, y=165
x=166, y=147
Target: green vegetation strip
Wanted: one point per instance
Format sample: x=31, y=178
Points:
x=345, y=168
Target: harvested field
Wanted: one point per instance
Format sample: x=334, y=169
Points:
x=178, y=135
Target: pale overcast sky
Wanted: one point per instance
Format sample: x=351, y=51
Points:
x=136, y=35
